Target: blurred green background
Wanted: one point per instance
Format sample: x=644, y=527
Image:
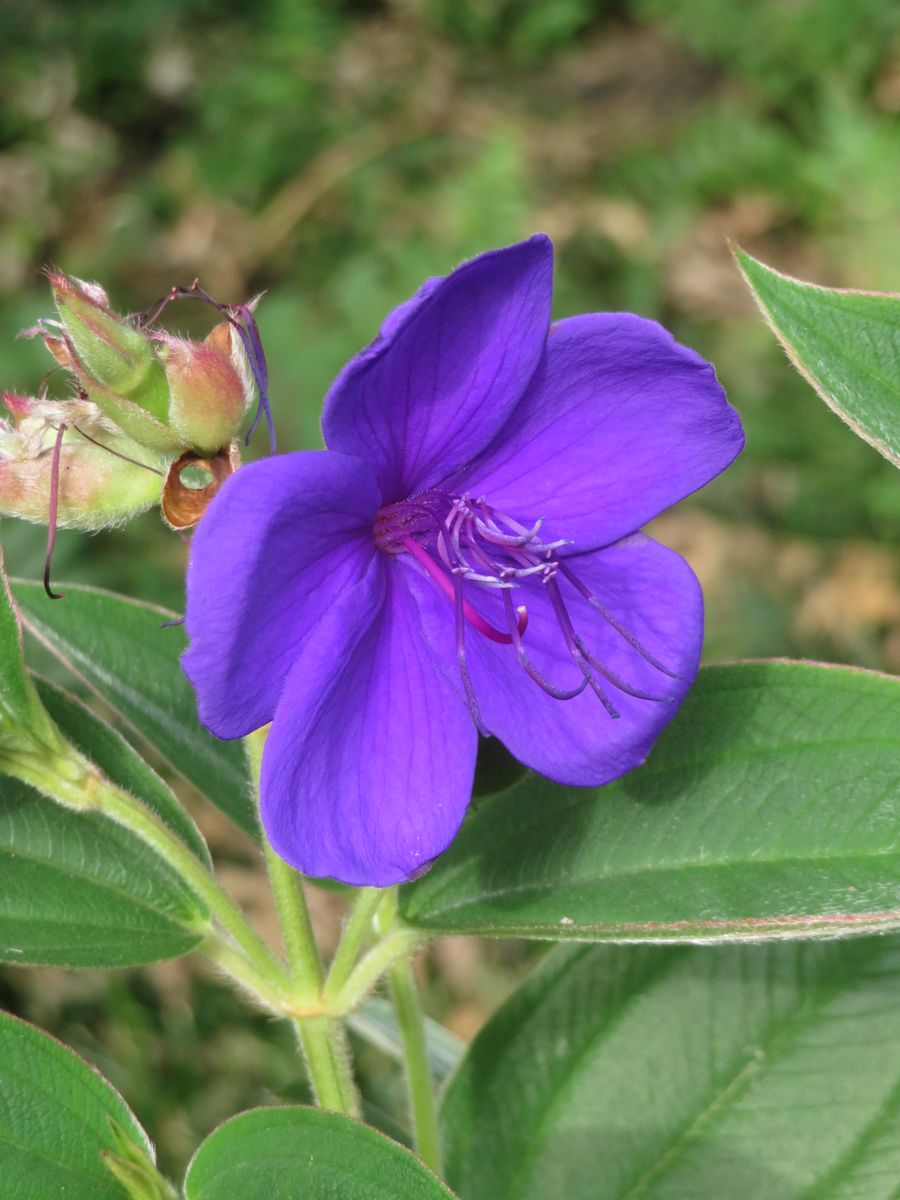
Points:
x=334, y=155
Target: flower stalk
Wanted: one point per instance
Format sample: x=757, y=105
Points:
x=397, y=944
x=426, y=1135
x=358, y=928
x=322, y=1038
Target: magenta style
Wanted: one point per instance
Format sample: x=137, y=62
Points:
x=464, y=558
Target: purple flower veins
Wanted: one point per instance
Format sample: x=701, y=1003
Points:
x=462, y=559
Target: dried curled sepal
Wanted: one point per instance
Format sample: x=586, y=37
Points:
x=183, y=504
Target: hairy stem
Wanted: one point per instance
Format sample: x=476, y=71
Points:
x=398, y=943
x=290, y=901
x=304, y=963
x=321, y=1037
x=222, y=952
x=356, y=929
x=73, y=781
x=418, y=1076
x=324, y=1044
x=128, y=812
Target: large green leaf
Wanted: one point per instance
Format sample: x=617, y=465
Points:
x=120, y=762
x=80, y=891
x=56, y=1121
x=117, y=647
x=282, y=1153
x=769, y=807
x=845, y=343
x=670, y=1072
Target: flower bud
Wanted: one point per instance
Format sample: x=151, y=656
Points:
x=166, y=393
x=210, y=389
x=107, y=351
x=104, y=477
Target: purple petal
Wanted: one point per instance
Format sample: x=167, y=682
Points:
x=619, y=423
x=280, y=542
x=368, y=768
x=656, y=597
x=446, y=370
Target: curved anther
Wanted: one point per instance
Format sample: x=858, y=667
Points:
x=568, y=632
x=516, y=637
x=615, y=680
x=616, y=625
x=459, y=605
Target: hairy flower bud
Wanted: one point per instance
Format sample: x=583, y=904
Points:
x=104, y=477
x=107, y=352
x=210, y=388
x=165, y=393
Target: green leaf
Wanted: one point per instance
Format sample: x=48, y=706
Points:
x=15, y=693
x=655, y=1072
x=117, y=647
x=80, y=891
x=120, y=762
x=845, y=343
x=769, y=807
x=58, y=1117
x=271, y=1153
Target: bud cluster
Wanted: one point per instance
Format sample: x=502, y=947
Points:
x=146, y=403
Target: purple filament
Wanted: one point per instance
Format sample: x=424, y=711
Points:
x=53, y=512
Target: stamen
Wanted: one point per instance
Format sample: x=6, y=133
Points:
x=492, y=534
x=53, y=510
x=475, y=619
x=463, y=542
x=532, y=671
x=459, y=607
x=617, y=626
x=615, y=679
x=565, y=624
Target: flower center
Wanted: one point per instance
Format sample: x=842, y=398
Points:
x=459, y=540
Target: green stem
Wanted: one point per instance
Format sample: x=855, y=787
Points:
x=122, y=808
x=321, y=1037
x=299, y=939
x=357, y=928
x=400, y=942
x=325, y=1050
x=222, y=951
x=290, y=901
x=418, y=1077
x=72, y=780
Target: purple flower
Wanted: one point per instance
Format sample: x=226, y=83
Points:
x=462, y=558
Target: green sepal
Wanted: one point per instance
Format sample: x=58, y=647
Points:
x=107, y=350
x=133, y=1169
